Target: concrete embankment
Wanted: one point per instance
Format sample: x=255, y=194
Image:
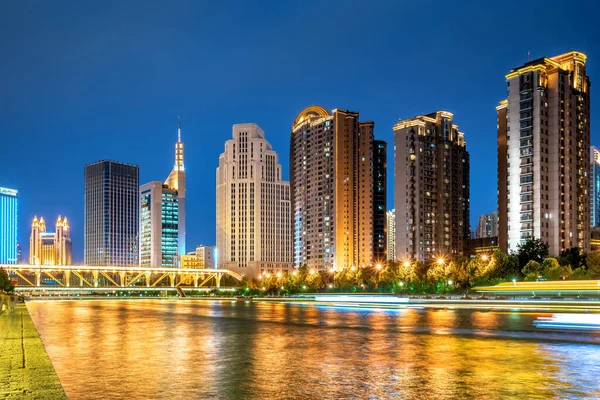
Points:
x=25, y=369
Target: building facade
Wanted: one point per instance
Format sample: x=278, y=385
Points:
x=50, y=248
x=547, y=136
x=204, y=257
x=336, y=167
x=111, y=214
x=391, y=234
x=159, y=230
x=431, y=188
x=594, y=186
x=379, y=201
x=253, y=205
x=487, y=225
x=177, y=181
x=9, y=222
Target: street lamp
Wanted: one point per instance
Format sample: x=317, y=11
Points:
x=440, y=261
x=484, y=257
x=378, y=266
x=406, y=264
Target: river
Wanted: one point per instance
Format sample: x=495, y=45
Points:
x=197, y=349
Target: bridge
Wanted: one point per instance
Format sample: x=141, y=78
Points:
x=84, y=277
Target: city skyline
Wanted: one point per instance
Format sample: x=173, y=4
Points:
x=70, y=121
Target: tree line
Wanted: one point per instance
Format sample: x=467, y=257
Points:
x=529, y=262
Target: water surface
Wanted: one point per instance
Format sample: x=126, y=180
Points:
x=197, y=349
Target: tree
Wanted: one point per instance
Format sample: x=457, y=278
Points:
x=532, y=249
x=572, y=256
x=532, y=270
x=593, y=265
x=5, y=282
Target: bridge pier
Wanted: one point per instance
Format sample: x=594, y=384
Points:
x=67, y=278
x=122, y=277
x=95, y=276
x=38, y=278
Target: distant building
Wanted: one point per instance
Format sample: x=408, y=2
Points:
x=9, y=222
x=50, y=248
x=594, y=186
x=432, y=188
x=337, y=174
x=391, y=235
x=111, y=214
x=158, y=245
x=253, y=205
x=475, y=246
x=19, y=254
x=177, y=181
x=204, y=257
x=487, y=226
x=544, y=154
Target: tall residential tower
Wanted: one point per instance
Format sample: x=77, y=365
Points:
x=253, y=205
x=391, y=235
x=487, y=225
x=431, y=188
x=338, y=190
x=111, y=214
x=594, y=186
x=543, y=154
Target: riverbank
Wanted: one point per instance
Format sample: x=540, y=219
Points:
x=25, y=369
x=483, y=304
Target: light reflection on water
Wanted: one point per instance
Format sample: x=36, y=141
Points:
x=195, y=349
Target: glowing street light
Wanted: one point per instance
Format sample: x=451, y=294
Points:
x=378, y=266
x=330, y=286
x=406, y=264
x=279, y=274
x=303, y=287
x=450, y=283
x=484, y=257
x=312, y=272
x=440, y=261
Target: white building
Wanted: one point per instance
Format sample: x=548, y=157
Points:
x=391, y=234
x=487, y=225
x=254, y=227
x=204, y=257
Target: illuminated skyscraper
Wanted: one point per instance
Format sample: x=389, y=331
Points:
x=432, y=188
x=594, y=186
x=111, y=214
x=9, y=221
x=204, y=257
x=253, y=206
x=334, y=172
x=391, y=235
x=177, y=181
x=47, y=248
x=158, y=225
x=379, y=201
x=544, y=154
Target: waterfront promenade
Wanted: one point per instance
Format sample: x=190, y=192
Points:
x=25, y=369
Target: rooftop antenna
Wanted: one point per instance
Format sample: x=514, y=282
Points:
x=528, y=55
x=178, y=129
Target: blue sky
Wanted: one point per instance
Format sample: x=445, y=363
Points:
x=84, y=81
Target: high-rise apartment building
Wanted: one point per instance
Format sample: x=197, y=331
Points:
x=487, y=225
x=335, y=169
x=594, y=186
x=391, y=235
x=543, y=154
x=431, y=188
x=159, y=231
x=204, y=257
x=111, y=214
x=253, y=205
x=177, y=181
x=9, y=222
x=379, y=201
x=50, y=248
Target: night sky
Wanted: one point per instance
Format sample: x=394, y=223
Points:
x=85, y=81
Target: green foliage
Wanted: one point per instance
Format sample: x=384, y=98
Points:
x=580, y=273
x=5, y=282
x=573, y=257
x=532, y=250
x=593, y=265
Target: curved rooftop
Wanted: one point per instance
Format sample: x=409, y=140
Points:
x=308, y=113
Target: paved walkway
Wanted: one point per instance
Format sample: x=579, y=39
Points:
x=25, y=369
